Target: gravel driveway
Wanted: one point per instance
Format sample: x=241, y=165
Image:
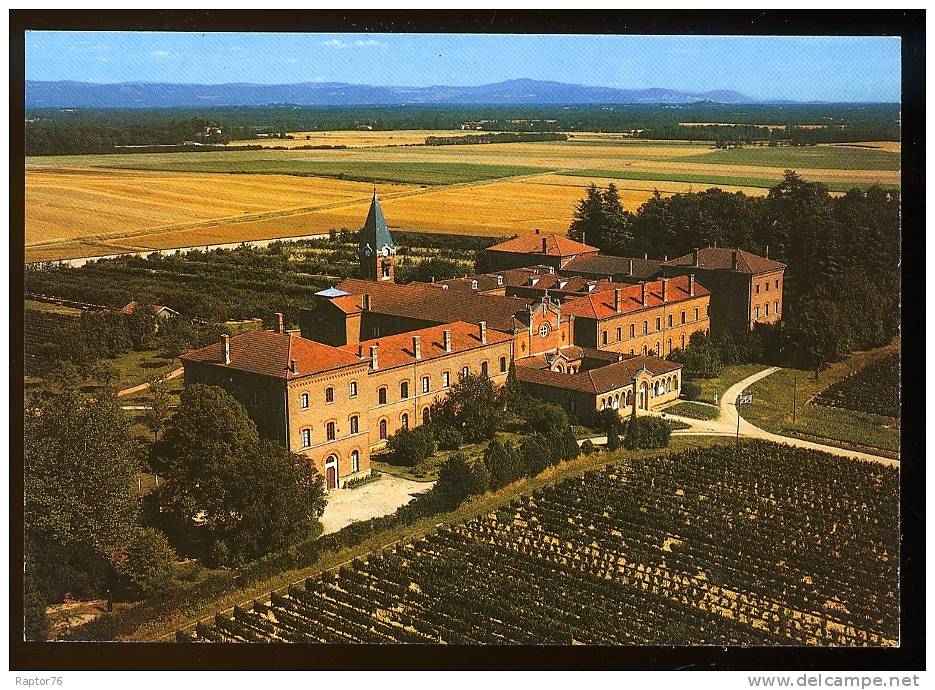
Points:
x=377, y=498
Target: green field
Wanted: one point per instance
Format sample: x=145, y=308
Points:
x=827, y=157
x=729, y=376
x=702, y=179
x=772, y=407
x=694, y=410
x=256, y=162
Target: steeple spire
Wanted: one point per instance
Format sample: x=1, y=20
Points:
x=376, y=248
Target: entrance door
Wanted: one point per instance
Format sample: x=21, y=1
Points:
x=331, y=472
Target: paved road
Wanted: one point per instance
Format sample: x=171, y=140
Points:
x=143, y=386
x=726, y=425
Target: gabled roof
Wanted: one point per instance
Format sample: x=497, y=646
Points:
x=601, y=265
x=555, y=245
x=600, y=305
x=375, y=231
x=721, y=259
x=157, y=308
x=397, y=350
x=269, y=353
x=430, y=303
x=601, y=379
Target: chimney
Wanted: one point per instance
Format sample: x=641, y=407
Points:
x=545, y=245
x=665, y=284
x=645, y=257
x=695, y=257
x=446, y=339
x=733, y=260
x=617, y=292
x=365, y=303
x=767, y=251
x=293, y=366
x=643, y=285
x=226, y=348
x=374, y=363
x=483, y=332
x=280, y=323
x=417, y=346
x=691, y=284
x=630, y=267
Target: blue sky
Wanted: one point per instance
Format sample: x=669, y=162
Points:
x=800, y=68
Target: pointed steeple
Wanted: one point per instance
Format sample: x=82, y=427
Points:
x=375, y=232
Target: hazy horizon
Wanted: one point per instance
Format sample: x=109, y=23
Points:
x=819, y=68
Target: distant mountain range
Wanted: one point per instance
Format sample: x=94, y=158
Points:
x=73, y=94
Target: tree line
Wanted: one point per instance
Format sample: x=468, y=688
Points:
x=839, y=252
x=495, y=138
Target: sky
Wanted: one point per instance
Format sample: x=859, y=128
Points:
x=829, y=68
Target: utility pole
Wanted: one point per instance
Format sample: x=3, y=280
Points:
x=795, y=381
x=737, y=405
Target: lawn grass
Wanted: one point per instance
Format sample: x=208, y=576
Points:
x=256, y=162
x=694, y=410
x=729, y=376
x=156, y=628
x=707, y=180
x=827, y=157
x=133, y=369
x=772, y=407
x=427, y=470
x=50, y=308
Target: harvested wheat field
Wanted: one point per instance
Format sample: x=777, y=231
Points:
x=350, y=139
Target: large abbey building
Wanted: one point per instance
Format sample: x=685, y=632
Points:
x=583, y=330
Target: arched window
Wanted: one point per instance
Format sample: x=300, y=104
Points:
x=381, y=395
x=425, y=415
x=404, y=421
x=386, y=269
x=329, y=394
x=559, y=367
x=645, y=350
x=465, y=371
x=502, y=364
x=776, y=307
x=658, y=351
x=757, y=310
x=631, y=351
x=766, y=307
x=404, y=390
x=355, y=424
x=603, y=403
x=355, y=461
x=330, y=431
x=670, y=320
x=616, y=403
x=619, y=333
x=696, y=313
x=382, y=429
x=306, y=438
x=544, y=330
x=483, y=368
x=425, y=384
x=669, y=344
x=658, y=323
x=682, y=341
x=304, y=401
x=632, y=330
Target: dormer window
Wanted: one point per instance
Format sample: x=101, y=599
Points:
x=499, y=280
x=562, y=284
x=591, y=287
x=473, y=284
x=533, y=281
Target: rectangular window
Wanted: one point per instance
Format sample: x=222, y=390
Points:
x=645, y=327
x=355, y=424
x=330, y=431
x=465, y=371
x=304, y=399
x=404, y=390
x=381, y=395
x=767, y=286
x=696, y=313
x=683, y=317
x=502, y=364
x=758, y=289
x=777, y=283
x=306, y=438
x=658, y=323
x=425, y=384
x=604, y=338
x=619, y=334
x=483, y=368
x=776, y=307
x=670, y=320
x=766, y=307
x=329, y=395
x=446, y=379
x=353, y=389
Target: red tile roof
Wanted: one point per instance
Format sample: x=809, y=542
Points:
x=601, y=379
x=397, y=350
x=269, y=353
x=721, y=259
x=434, y=304
x=131, y=307
x=600, y=305
x=555, y=245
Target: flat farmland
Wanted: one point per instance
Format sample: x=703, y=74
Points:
x=92, y=205
x=350, y=139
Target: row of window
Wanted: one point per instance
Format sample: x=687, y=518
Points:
x=619, y=333
x=305, y=402
x=756, y=287
x=756, y=310
x=330, y=431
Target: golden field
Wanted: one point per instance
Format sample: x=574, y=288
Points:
x=350, y=139
x=104, y=204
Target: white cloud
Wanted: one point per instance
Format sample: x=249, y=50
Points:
x=334, y=43
x=368, y=42
x=160, y=54
x=359, y=43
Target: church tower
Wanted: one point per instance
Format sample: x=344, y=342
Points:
x=376, y=250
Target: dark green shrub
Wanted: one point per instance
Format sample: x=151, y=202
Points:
x=587, y=447
x=690, y=390
x=543, y=417
x=448, y=438
x=409, y=447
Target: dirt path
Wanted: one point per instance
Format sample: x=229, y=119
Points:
x=144, y=386
x=726, y=425
x=377, y=498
